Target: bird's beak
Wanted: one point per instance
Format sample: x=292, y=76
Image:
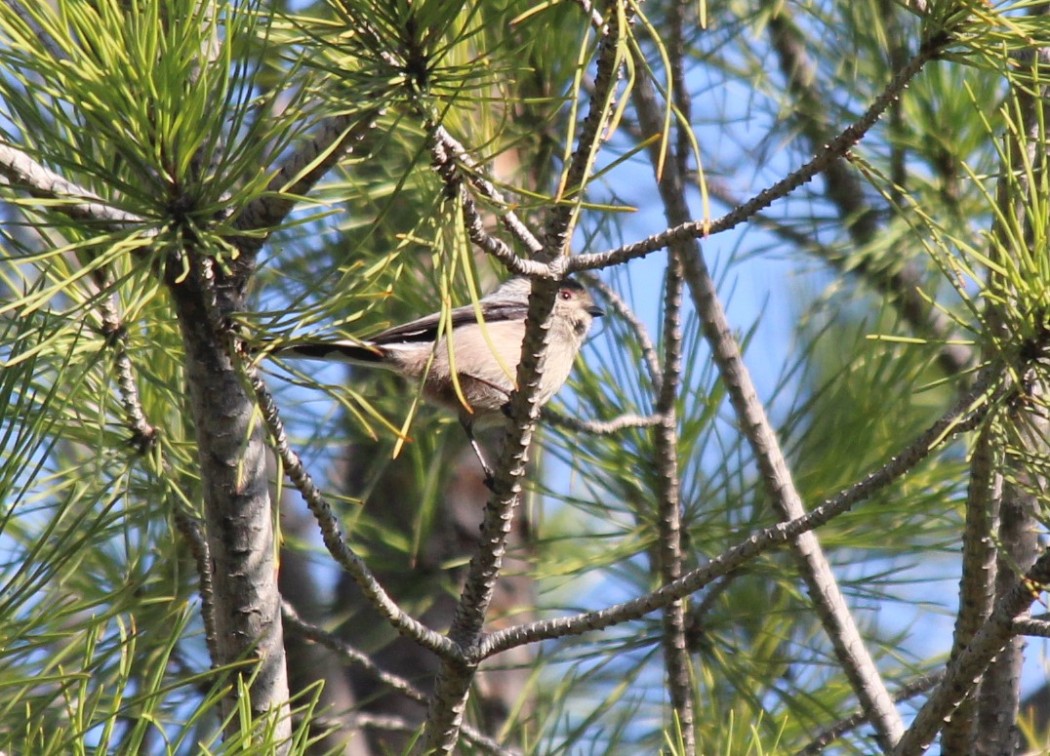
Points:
x=595, y=311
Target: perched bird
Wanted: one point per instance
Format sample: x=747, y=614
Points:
x=479, y=357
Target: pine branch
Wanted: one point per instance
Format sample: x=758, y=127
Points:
x=68, y=198
x=475, y=176
x=445, y=167
x=331, y=532
x=963, y=672
x=845, y=726
x=609, y=69
x=988, y=391
x=836, y=148
x=977, y=583
x=444, y=718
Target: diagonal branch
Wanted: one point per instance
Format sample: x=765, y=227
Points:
x=443, y=150
x=820, y=743
x=966, y=414
x=835, y=148
x=476, y=177
x=24, y=173
x=964, y=671
x=816, y=571
x=296, y=624
x=332, y=535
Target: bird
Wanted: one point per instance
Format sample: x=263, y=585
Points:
x=466, y=364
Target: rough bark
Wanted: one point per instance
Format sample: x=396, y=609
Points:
x=238, y=515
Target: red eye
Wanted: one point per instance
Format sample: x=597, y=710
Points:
x=565, y=294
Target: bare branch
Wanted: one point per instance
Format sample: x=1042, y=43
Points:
x=476, y=177
x=70, y=199
x=609, y=69
x=600, y=427
x=665, y=435
x=143, y=433
x=192, y=530
x=857, y=718
x=836, y=148
x=669, y=550
x=446, y=710
x=331, y=532
x=445, y=166
x=348, y=653
x=1032, y=626
x=964, y=416
x=964, y=671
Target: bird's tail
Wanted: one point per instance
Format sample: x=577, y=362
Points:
x=358, y=353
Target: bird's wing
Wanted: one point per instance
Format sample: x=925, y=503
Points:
x=426, y=328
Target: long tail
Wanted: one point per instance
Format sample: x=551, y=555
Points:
x=337, y=351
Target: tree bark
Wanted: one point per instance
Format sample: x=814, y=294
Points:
x=238, y=514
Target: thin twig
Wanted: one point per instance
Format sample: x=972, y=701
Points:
x=1034, y=627
x=476, y=177
x=609, y=70
x=143, y=433
x=348, y=653
x=192, y=529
